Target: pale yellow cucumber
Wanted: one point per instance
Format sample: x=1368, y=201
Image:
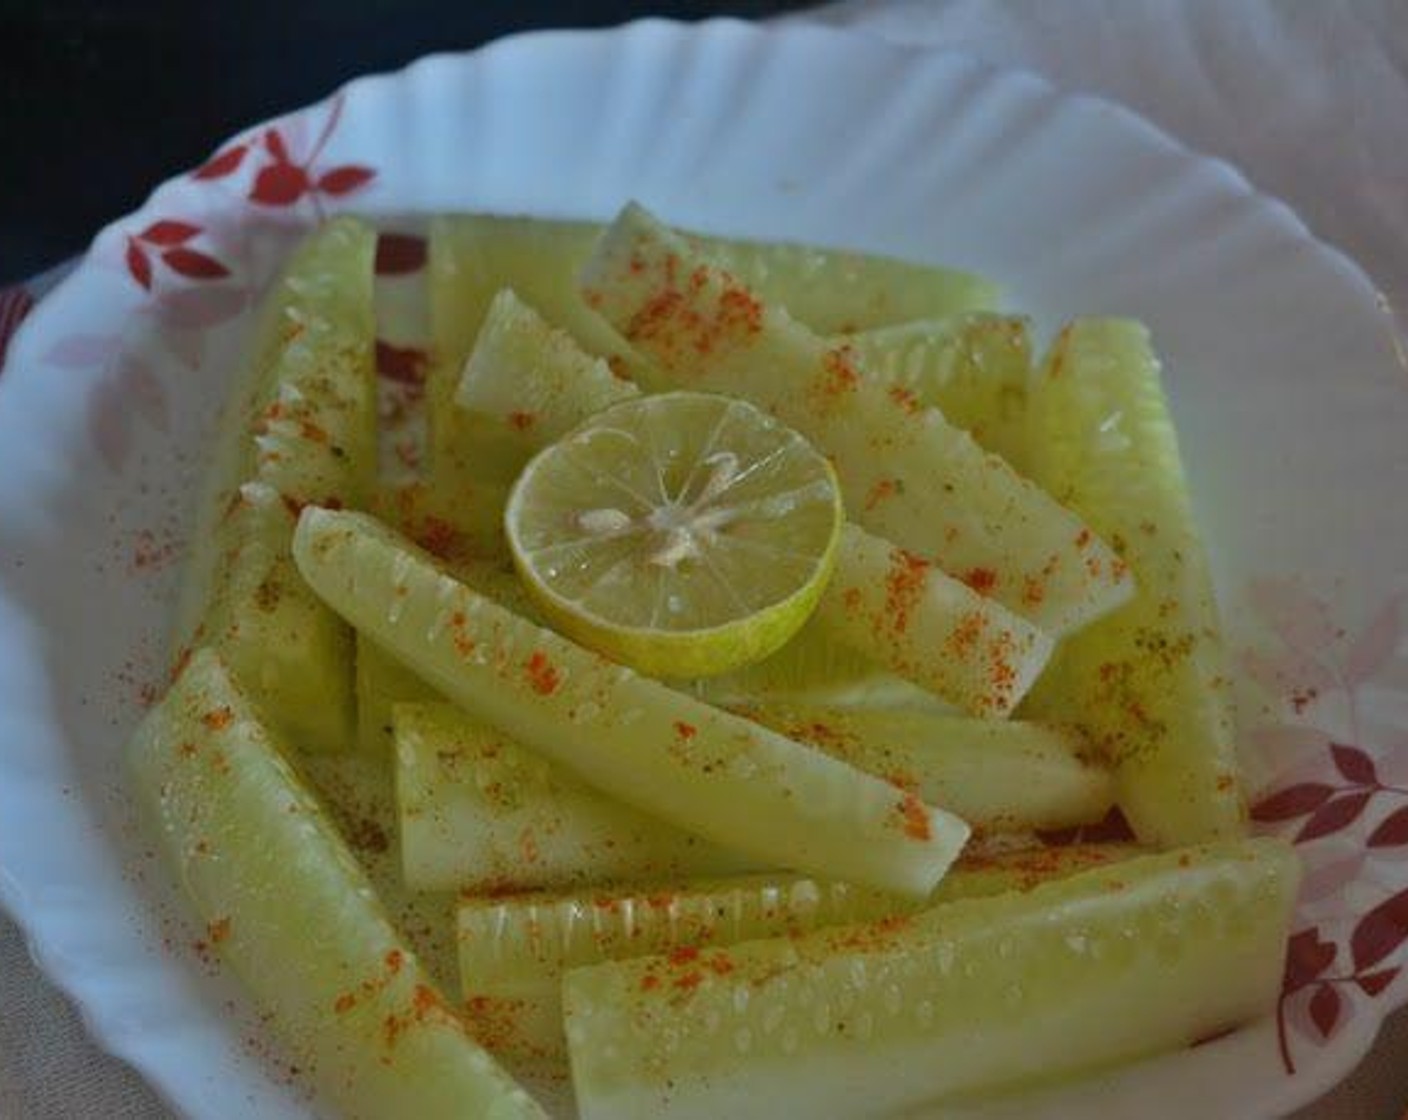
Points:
x=999, y=775
x=703, y=770
x=283, y=901
x=514, y=950
x=474, y=256
x=907, y=474
x=301, y=424
x=974, y=368
x=968, y=997
x=478, y=812
x=929, y=628
x=1149, y=684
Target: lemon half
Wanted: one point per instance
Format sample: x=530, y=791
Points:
x=684, y=534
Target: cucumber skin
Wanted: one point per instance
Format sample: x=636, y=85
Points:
x=1149, y=685
x=300, y=423
x=702, y=769
x=515, y=950
x=906, y=473
x=968, y=998
x=286, y=905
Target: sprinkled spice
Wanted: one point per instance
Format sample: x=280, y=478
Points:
x=839, y=377
x=904, y=586
x=438, y=537
x=916, y=818
x=685, y=731
x=981, y=580
x=543, y=676
x=680, y=322
x=521, y=421
x=459, y=634
x=882, y=490
x=905, y=399
x=218, y=719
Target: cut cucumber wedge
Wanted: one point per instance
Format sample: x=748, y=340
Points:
x=288, y=650
x=514, y=951
x=527, y=384
x=480, y=813
x=474, y=256
x=964, y=998
x=300, y=424
x=929, y=628
x=907, y=474
x=999, y=775
x=814, y=668
x=893, y=608
x=455, y=516
x=284, y=902
x=973, y=368
x=703, y=770
x=1150, y=684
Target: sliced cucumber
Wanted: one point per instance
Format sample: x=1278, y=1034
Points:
x=703, y=770
x=474, y=256
x=813, y=668
x=526, y=384
x=286, y=905
x=836, y=291
x=463, y=528
x=908, y=475
x=290, y=652
x=514, y=951
x=999, y=775
x=456, y=517
x=301, y=424
x=1150, y=684
x=929, y=628
x=478, y=812
x=964, y=998
x=922, y=625
x=973, y=368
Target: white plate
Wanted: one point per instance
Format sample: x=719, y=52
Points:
x=1282, y=366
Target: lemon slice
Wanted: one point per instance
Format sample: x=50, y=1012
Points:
x=684, y=534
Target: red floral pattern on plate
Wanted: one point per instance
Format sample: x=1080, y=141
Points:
x=192, y=278
x=1335, y=802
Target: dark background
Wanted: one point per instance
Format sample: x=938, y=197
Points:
x=103, y=101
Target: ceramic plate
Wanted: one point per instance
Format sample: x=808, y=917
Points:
x=1290, y=393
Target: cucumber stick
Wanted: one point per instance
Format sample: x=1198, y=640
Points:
x=964, y=998
x=529, y=384
x=480, y=813
x=514, y=951
x=462, y=527
x=474, y=256
x=974, y=368
x=284, y=902
x=300, y=425
x=929, y=628
x=999, y=775
x=1149, y=684
x=702, y=769
x=907, y=474
x=288, y=650
x=813, y=668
